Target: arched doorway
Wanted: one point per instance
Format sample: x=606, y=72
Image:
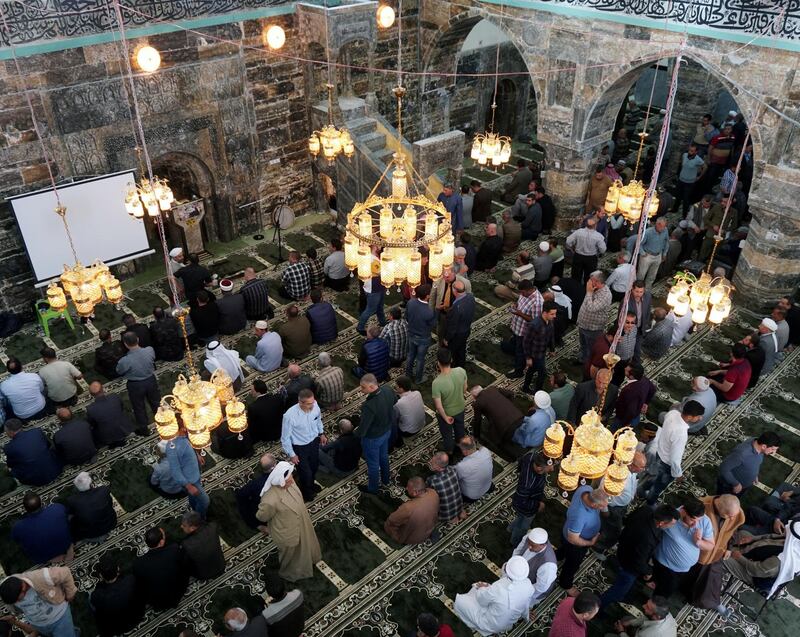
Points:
x=354, y=82
x=190, y=180
x=505, y=120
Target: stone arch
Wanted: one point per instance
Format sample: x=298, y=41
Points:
x=611, y=92
x=444, y=54
x=191, y=178
x=352, y=82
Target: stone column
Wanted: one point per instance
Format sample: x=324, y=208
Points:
x=566, y=181
x=769, y=266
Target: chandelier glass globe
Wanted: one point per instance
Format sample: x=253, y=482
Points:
x=386, y=16
x=148, y=59
x=275, y=37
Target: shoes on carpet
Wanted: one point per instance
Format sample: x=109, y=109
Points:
x=364, y=489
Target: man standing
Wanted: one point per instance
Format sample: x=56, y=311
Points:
x=634, y=398
x=588, y=245
x=598, y=189
x=680, y=546
x=593, y=315
x=256, y=297
x=639, y=303
x=414, y=521
x=527, y=307
x=611, y=518
x=739, y=469
x=459, y=323
x=690, y=169
x=448, y=390
x=581, y=530
x=60, y=378
x=540, y=555
x=184, y=467
x=395, y=333
x=519, y=184
x=652, y=251
x=421, y=320
x=375, y=429
x=482, y=201
x=538, y=341
x=269, y=349
x=43, y=597
x=669, y=445
x=301, y=436
x=451, y=200
x=445, y=482
x=441, y=297
x=528, y=499
x=176, y=260
x=619, y=279
x=296, y=279
x=138, y=368
x=375, y=295
x=194, y=278
x=265, y=413
x=638, y=541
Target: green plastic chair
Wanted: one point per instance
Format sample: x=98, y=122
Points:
x=46, y=314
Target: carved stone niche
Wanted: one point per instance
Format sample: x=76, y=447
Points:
x=351, y=20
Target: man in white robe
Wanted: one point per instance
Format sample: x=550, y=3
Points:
x=217, y=355
x=495, y=608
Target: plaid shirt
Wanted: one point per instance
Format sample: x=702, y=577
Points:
x=726, y=183
x=316, y=269
x=593, y=314
x=330, y=386
x=395, y=332
x=626, y=347
x=445, y=483
x=531, y=305
x=256, y=299
x=539, y=336
x=297, y=280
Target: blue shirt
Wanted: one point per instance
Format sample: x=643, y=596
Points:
x=43, y=534
x=25, y=393
x=581, y=519
x=655, y=242
x=182, y=459
x=269, y=352
x=300, y=427
x=162, y=478
x=677, y=550
x=138, y=364
x=455, y=207
x=531, y=432
x=420, y=318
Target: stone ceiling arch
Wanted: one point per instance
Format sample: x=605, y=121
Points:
x=611, y=92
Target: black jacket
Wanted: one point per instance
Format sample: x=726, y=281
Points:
x=141, y=331
x=203, y=551
x=460, y=317
x=74, y=443
x=638, y=541
x=265, y=417
x=106, y=358
x=228, y=444
x=117, y=606
x=167, y=339
x=161, y=576
x=205, y=319
x=110, y=424
x=248, y=498
x=232, y=317
x=92, y=513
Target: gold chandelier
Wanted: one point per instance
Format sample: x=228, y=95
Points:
x=706, y=297
x=628, y=199
x=153, y=196
x=331, y=141
x=86, y=286
x=593, y=448
x=491, y=147
x=199, y=403
x=399, y=225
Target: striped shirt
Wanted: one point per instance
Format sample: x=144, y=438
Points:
x=256, y=299
x=530, y=305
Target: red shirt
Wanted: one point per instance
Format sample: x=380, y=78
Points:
x=600, y=348
x=565, y=624
x=738, y=374
x=445, y=631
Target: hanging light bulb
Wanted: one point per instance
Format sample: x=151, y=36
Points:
x=148, y=59
x=275, y=37
x=385, y=16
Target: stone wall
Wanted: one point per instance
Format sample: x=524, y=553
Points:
x=233, y=112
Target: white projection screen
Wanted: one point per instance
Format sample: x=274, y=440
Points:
x=100, y=226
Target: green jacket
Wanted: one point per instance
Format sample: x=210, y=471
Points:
x=377, y=413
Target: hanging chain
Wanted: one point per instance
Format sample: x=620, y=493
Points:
x=496, y=72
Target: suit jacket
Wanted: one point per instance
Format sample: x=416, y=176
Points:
x=519, y=182
x=167, y=339
x=141, y=331
x=110, y=424
x=460, y=316
x=30, y=458
x=74, y=443
x=631, y=399
x=647, y=301
x=232, y=317
x=161, y=576
x=203, y=551
x=117, y=606
x=503, y=416
x=265, y=417
x=92, y=513
x=248, y=498
x=106, y=358
x=585, y=398
x=438, y=289
x=489, y=253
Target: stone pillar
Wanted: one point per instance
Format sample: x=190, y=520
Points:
x=440, y=151
x=566, y=181
x=769, y=266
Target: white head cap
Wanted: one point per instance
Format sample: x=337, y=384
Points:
x=83, y=481
x=544, y=246
x=517, y=568
x=702, y=383
x=542, y=399
x=732, y=113
x=175, y=252
x=261, y=325
x=537, y=536
x=769, y=324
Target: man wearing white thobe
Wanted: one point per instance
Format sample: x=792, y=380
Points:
x=495, y=608
x=537, y=551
